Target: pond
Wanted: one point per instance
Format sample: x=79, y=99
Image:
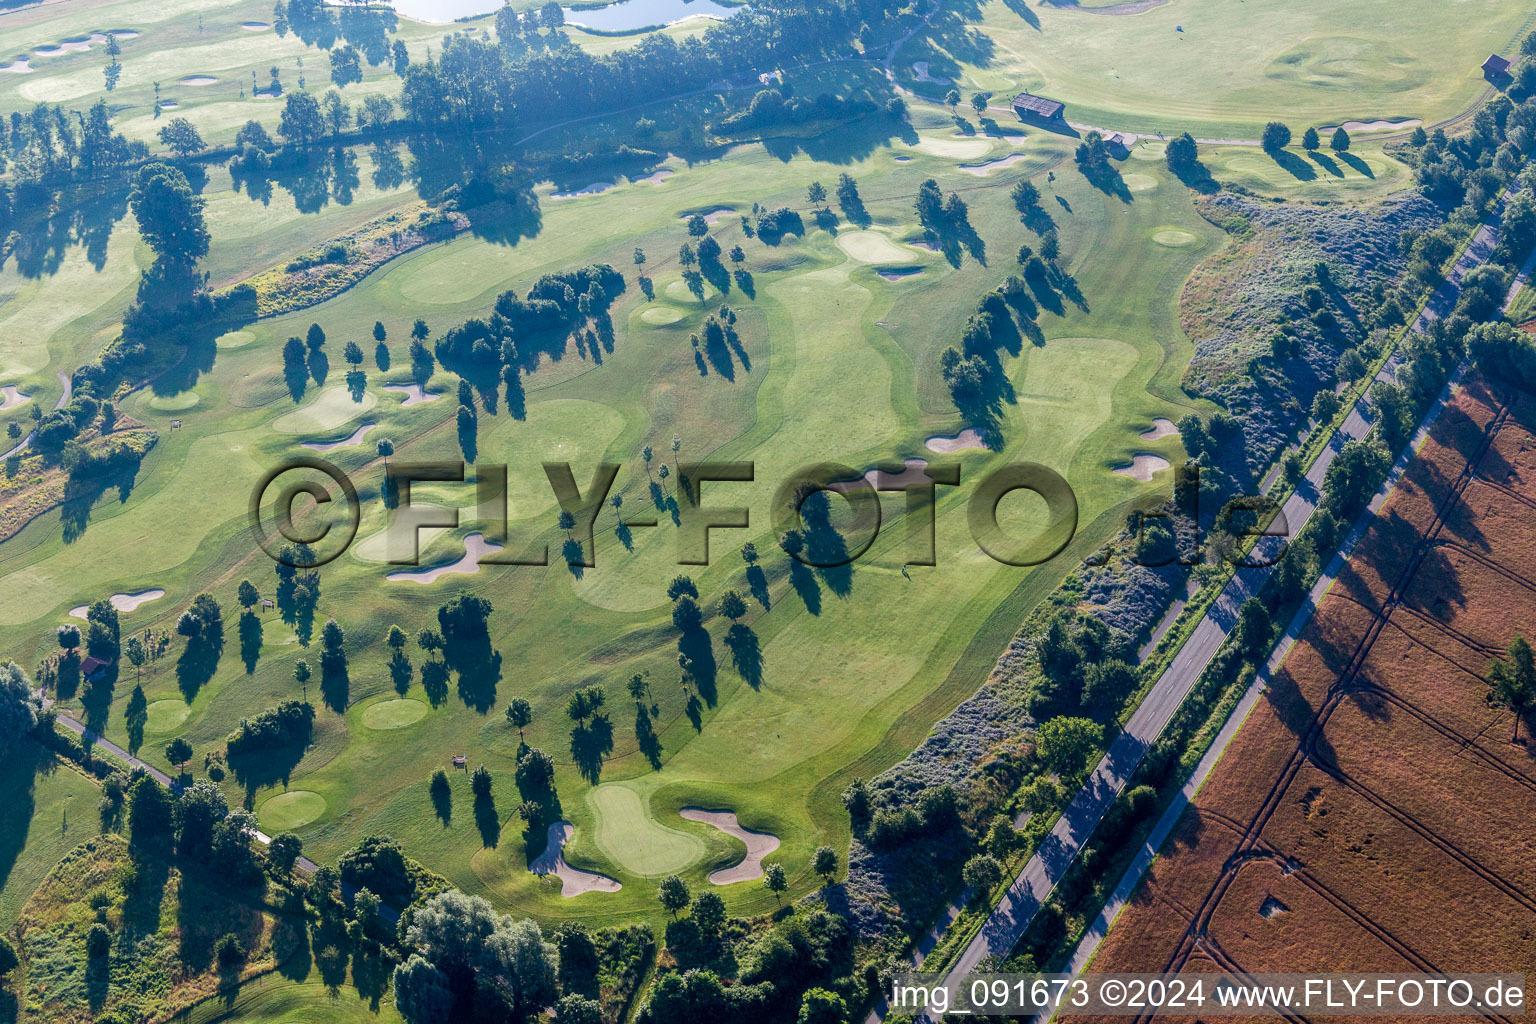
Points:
x=626, y=16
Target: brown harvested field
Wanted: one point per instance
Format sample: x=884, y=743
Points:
x=1372, y=814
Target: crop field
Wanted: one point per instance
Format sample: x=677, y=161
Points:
x=1386, y=779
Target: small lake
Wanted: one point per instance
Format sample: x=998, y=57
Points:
x=626, y=16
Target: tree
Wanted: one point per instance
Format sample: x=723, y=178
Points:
x=178, y=752
x=979, y=102
x=1025, y=196
x=1325, y=406
x=336, y=111
x=1064, y=744
x=1309, y=139
x=429, y=640
x=1276, y=137
x=137, y=654
x=301, y=123
x=732, y=606
x=301, y=675
x=1340, y=140
x=519, y=714
x=283, y=853
x=535, y=769
x=952, y=99
x=181, y=137
x=638, y=688
x=480, y=782
x=639, y=260
x=574, y=1008
x=824, y=863
x=169, y=213
x=775, y=881
x=1512, y=682
x=673, y=894
x=698, y=227
x=816, y=194
x=821, y=1006
x=422, y=994
x=552, y=15
x=352, y=353
x=69, y=637
x=18, y=707
x=708, y=912
x=1182, y=153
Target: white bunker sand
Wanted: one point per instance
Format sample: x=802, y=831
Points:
x=984, y=169
x=255, y=26
x=346, y=442
x=198, y=80
x=759, y=844
x=1160, y=428
x=414, y=395
x=586, y=190
x=915, y=472
x=10, y=398
x=872, y=247
x=656, y=177
x=122, y=602
x=1143, y=466
x=329, y=409
x=1376, y=126
x=970, y=437
x=573, y=882
x=475, y=548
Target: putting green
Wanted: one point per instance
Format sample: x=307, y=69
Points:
x=1139, y=182
x=1150, y=151
x=165, y=715
x=872, y=247
x=661, y=316
x=290, y=810
x=1174, y=237
x=628, y=835
x=394, y=714
x=332, y=407
x=176, y=402
x=234, y=339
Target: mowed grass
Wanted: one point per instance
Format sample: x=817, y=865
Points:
x=48, y=810
x=843, y=367
x=1221, y=69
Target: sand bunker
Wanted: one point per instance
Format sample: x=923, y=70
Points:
x=10, y=398
x=872, y=247
x=414, y=395
x=346, y=442
x=475, y=548
x=759, y=844
x=1375, y=126
x=586, y=190
x=656, y=177
x=122, y=602
x=169, y=104
x=901, y=159
x=255, y=26
x=920, y=74
x=1160, y=428
x=19, y=66
x=984, y=169
x=572, y=881
x=914, y=473
x=198, y=80
x=898, y=273
x=1143, y=466
x=955, y=149
x=970, y=437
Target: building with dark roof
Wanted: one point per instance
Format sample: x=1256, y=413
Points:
x=91, y=668
x=1495, y=66
x=1037, y=108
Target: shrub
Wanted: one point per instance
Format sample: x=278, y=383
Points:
x=229, y=950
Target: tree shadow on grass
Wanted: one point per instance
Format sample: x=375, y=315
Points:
x=488, y=821
x=803, y=581
x=17, y=774
x=479, y=670
x=197, y=664
x=1326, y=162
x=591, y=742
x=442, y=804
x=434, y=680
x=250, y=640
x=270, y=766
x=696, y=652
x=335, y=686
x=746, y=653
x=645, y=736
x=1298, y=168
x=1358, y=164
x=757, y=585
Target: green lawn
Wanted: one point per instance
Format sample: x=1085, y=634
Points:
x=49, y=809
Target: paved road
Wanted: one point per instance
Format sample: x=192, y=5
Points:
x=1017, y=909
x=69, y=386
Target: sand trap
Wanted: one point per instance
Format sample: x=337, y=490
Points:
x=1139, y=182
x=255, y=26
x=970, y=437
x=414, y=395
x=984, y=169
x=759, y=844
x=872, y=247
x=587, y=190
x=1160, y=428
x=172, y=105
x=19, y=66
x=713, y=217
x=346, y=442
x=289, y=810
x=656, y=177
x=925, y=245
x=1374, y=126
x=914, y=473
x=162, y=716
x=330, y=408
x=901, y=159
x=920, y=74
x=475, y=548
x=394, y=714
x=198, y=80
x=122, y=602
x=661, y=316
x=897, y=273
x=10, y=398
x=1143, y=466
x=552, y=862
x=1174, y=238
